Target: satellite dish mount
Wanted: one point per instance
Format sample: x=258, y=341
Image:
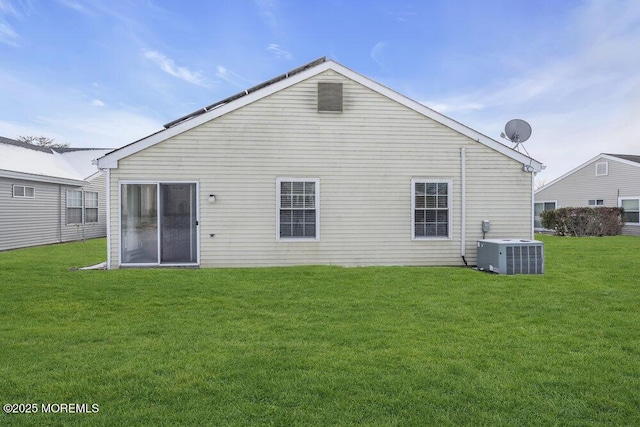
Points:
x=517, y=131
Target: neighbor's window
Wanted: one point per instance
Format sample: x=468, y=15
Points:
x=431, y=209
x=602, y=168
x=596, y=202
x=298, y=208
x=74, y=207
x=90, y=207
x=23, y=191
x=631, y=210
x=538, y=208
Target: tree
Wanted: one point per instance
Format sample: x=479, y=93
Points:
x=540, y=183
x=42, y=141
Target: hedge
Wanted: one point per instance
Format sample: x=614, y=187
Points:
x=579, y=222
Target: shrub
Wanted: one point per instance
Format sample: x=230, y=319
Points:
x=599, y=221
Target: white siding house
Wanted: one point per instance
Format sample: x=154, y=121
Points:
x=610, y=180
x=318, y=166
x=49, y=195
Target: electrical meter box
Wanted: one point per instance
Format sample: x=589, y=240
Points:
x=511, y=256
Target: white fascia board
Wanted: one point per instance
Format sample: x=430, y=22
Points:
x=41, y=178
x=438, y=117
x=618, y=159
x=110, y=160
x=95, y=175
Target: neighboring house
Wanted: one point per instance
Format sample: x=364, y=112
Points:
x=49, y=195
x=318, y=166
x=611, y=180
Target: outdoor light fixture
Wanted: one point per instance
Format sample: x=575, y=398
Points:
x=212, y=198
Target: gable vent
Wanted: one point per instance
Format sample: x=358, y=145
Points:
x=602, y=168
x=330, y=97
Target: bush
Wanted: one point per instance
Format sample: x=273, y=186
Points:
x=584, y=221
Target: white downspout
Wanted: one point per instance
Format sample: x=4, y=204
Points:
x=463, y=207
x=533, y=207
x=108, y=219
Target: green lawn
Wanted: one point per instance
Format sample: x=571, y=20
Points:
x=324, y=345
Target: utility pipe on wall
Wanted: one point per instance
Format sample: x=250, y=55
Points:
x=463, y=207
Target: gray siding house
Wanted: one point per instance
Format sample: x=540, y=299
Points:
x=49, y=195
x=318, y=166
x=611, y=180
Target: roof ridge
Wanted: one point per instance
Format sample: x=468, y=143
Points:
x=22, y=144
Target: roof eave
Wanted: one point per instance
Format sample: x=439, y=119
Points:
x=110, y=160
x=41, y=178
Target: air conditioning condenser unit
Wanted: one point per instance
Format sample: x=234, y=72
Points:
x=511, y=256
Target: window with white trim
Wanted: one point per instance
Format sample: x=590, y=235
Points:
x=631, y=208
x=90, y=207
x=74, y=207
x=538, y=208
x=596, y=202
x=602, y=168
x=82, y=207
x=23, y=191
x=430, y=209
x=298, y=208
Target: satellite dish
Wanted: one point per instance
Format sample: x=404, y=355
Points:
x=517, y=131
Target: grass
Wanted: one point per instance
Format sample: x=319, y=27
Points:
x=324, y=345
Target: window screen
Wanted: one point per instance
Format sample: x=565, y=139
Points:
x=74, y=207
x=430, y=209
x=23, y=191
x=90, y=207
x=631, y=210
x=297, y=209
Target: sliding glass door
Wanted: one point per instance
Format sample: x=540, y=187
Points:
x=159, y=223
x=178, y=223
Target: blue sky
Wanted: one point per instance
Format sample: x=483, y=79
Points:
x=104, y=73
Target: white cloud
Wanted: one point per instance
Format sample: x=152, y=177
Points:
x=278, y=52
x=229, y=76
x=8, y=35
x=97, y=103
x=377, y=52
x=267, y=10
x=168, y=66
x=71, y=4
x=580, y=102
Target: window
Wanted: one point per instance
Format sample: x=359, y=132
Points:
x=602, y=168
x=431, y=209
x=90, y=207
x=596, y=202
x=298, y=207
x=74, y=207
x=82, y=207
x=538, y=208
x=21, y=191
x=330, y=97
x=631, y=210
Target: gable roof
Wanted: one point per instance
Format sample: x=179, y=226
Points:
x=627, y=159
x=289, y=79
x=71, y=166
x=634, y=159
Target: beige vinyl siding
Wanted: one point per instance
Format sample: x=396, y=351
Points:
x=71, y=232
x=28, y=221
x=364, y=159
x=576, y=189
